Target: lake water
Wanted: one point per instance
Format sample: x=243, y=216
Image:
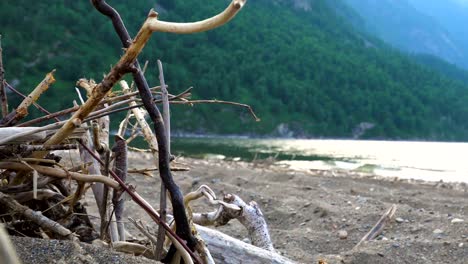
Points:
x=431, y=161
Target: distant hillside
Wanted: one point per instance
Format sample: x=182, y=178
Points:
x=300, y=64
x=418, y=26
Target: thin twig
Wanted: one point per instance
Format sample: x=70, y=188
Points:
x=218, y=102
x=58, y=173
x=379, y=226
x=3, y=95
x=50, y=116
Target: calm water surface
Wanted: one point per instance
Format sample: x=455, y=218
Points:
x=431, y=161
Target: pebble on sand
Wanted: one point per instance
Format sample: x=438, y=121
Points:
x=343, y=234
x=457, y=220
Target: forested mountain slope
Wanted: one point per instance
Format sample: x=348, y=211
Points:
x=411, y=26
x=298, y=63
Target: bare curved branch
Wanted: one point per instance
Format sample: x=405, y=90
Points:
x=199, y=26
x=59, y=173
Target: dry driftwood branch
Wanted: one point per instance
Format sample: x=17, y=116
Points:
x=42, y=109
x=139, y=115
x=139, y=225
x=36, y=217
x=233, y=207
x=9, y=150
x=22, y=110
x=379, y=226
x=85, y=147
x=21, y=135
x=132, y=248
x=108, y=112
x=42, y=194
x=167, y=126
x=120, y=168
x=177, y=241
x=176, y=196
x=26, y=186
x=50, y=116
x=199, y=26
x=165, y=101
x=3, y=95
x=228, y=250
x=7, y=251
x=153, y=145
x=59, y=173
x=252, y=218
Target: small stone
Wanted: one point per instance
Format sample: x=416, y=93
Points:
x=460, y=245
x=446, y=243
x=438, y=232
x=380, y=254
x=302, y=224
x=215, y=180
x=343, y=234
x=395, y=245
x=384, y=239
x=457, y=220
x=399, y=220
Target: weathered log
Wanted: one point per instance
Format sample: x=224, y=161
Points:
x=7, y=132
x=36, y=217
x=226, y=249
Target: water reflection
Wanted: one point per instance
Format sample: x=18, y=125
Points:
x=431, y=161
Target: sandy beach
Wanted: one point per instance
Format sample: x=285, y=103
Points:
x=322, y=215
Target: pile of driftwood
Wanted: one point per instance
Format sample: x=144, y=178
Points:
x=42, y=197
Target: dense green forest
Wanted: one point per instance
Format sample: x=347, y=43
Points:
x=307, y=68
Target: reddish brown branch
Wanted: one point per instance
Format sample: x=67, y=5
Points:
x=143, y=204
